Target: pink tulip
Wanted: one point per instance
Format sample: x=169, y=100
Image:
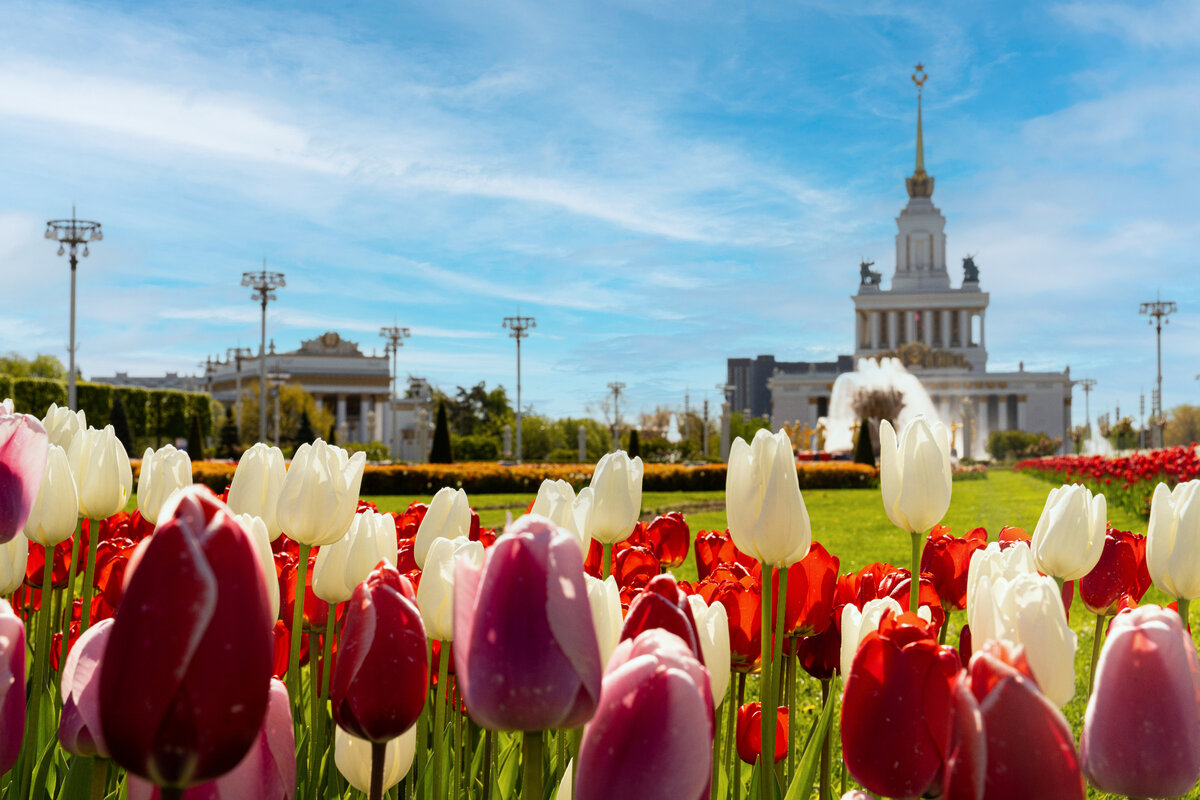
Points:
x=79, y=729
x=268, y=772
x=12, y=686
x=525, y=650
x=1141, y=733
x=653, y=730
x=24, y=448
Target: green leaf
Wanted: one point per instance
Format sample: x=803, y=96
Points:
x=510, y=768
x=802, y=782
x=78, y=781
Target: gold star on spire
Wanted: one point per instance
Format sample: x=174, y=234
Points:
x=920, y=184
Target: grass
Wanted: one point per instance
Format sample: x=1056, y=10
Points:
x=851, y=524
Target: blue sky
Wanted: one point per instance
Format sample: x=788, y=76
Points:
x=662, y=184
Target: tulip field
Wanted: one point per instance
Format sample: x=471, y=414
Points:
x=289, y=637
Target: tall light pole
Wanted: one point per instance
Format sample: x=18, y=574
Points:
x=1087, y=384
x=236, y=354
x=395, y=337
x=1159, y=310
x=615, y=387
x=264, y=284
x=70, y=233
x=518, y=325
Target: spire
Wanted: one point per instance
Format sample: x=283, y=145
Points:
x=920, y=184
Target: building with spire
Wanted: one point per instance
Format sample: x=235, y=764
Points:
x=935, y=328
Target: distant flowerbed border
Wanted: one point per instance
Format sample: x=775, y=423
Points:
x=493, y=478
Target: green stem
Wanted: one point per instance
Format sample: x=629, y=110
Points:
x=1183, y=610
x=1059, y=582
x=456, y=770
x=378, y=754
x=826, y=788
x=56, y=615
x=293, y=674
x=606, y=563
x=776, y=652
x=735, y=787
x=914, y=577
x=716, y=759
x=314, y=739
x=531, y=765
x=489, y=763
x=319, y=715
x=89, y=576
x=790, y=702
x=439, y=721
x=1096, y=640
x=66, y=625
x=45, y=621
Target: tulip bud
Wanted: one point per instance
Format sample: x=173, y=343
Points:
x=79, y=729
x=1173, y=539
x=102, y=473
x=346, y=563
x=382, y=672
x=1141, y=733
x=14, y=556
x=435, y=595
x=320, y=493
x=448, y=517
x=62, y=424
x=24, y=448
x=525, y=650
x=352, y=756
x=557, y=502
x=187, y=668
x=605, y=601
x=712, y=623
x=1069, y=536
x=653, y=730
x=616, y=498
x=749, y=733
x=163, y=472
x=256, y=485
x=56, y=510
x=256, y=529
x=767, y=516
x=914, y=474
x=12, y=686
x=996, y=563
x=668, y=536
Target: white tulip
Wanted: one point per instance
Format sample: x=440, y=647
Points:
x=6, y=407
x=1173, y=540
x=13, y=556
x=346, y=563
x=1028, y=611
x=914, y=474
x=995, y=563
x=256, y=484
x=320, y=493
x=1069, y=536
x=102, y=473
x=857, y=624
x=566, y=787
x=767, y=516
x=712, y=622
x=557, y=502
x=62, y=424
x=448, y=517
x=256, y=529
x=435, y=595
x=164, y=471
x=616, y=498
x=605, y=599
x=55, y=513
x=352, y=756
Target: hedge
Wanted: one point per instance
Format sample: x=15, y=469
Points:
x=493, y=478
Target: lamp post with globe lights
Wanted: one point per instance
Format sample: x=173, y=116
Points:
x=264, y=284
x=70, y=234
x=1158, y=311
x=395, y=336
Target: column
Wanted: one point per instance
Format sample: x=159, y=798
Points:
x=892, y=330
x=341, y=417
x=964, y=328
x=1022, y=417
x=874, y=318
x=927, y=325
x=364, y=408
x=945, y=328
x=910, y=326
x=982, y=338
x=380, y=402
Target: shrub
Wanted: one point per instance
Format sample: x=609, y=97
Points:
x=1020, y=444
x=441, y=452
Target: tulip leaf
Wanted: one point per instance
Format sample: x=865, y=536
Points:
x=78, y=780
x=510, y=768
x=802, y=782
x=43, y=768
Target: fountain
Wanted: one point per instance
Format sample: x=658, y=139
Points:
x=886, y=373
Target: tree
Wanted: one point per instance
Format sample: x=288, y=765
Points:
x=864, y=453
x=1183, y=426
x=120, y=423
x=195, y=446
x=41, y=366
x=294, y=402
x=635, y=447
x=228, y=444
x=304, y=431
x=441, y=453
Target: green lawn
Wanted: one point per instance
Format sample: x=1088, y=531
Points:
x=852, y=525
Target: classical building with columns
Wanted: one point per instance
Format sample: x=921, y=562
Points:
x=935, y=328
x=354, y=387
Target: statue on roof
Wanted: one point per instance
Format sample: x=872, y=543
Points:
x=970, y=271
x=868, y=276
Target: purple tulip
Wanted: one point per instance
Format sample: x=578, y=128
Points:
x=268, y=772
x=1141, y=733
x=24, y=448
x=79, y=727
x=525, y=650
x=653, y=730
x=12, y=686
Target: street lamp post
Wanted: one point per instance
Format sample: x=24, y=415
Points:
x=395, y=340
x=518, y=325
x=264, y=284
x=615, y=387
x=70, y=233
x=1159, y=310
x=1087, y=384
x=236, y=354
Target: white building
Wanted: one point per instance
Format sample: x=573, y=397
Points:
x=938, y=331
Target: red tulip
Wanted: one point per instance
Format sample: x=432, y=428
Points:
x=187, y=667
x=741, y=595
x=112, y=560
x=634, y=566
x=662, y=605
x=79, y=729
x=316, y=610
x=1141, y=733
x=1030, y=747
x=821, y=655
x=714, y=548
x=35, y=565
x=382, y=675
x=1011, y=534
x=668, y=536
x=946, y=559
x=899, y=708
x=653, y=730
x=811, y=588
x=12, y=686
x=409, y=522
x=525, y=652
x=749, y=733
x=1120, y=572
x=24, y=448
x=895, y=585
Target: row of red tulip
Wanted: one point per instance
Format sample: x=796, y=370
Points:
x=1128, y=480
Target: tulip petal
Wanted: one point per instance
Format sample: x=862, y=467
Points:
x=566, y=603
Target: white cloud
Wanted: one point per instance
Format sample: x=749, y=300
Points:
x=1171, y=23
